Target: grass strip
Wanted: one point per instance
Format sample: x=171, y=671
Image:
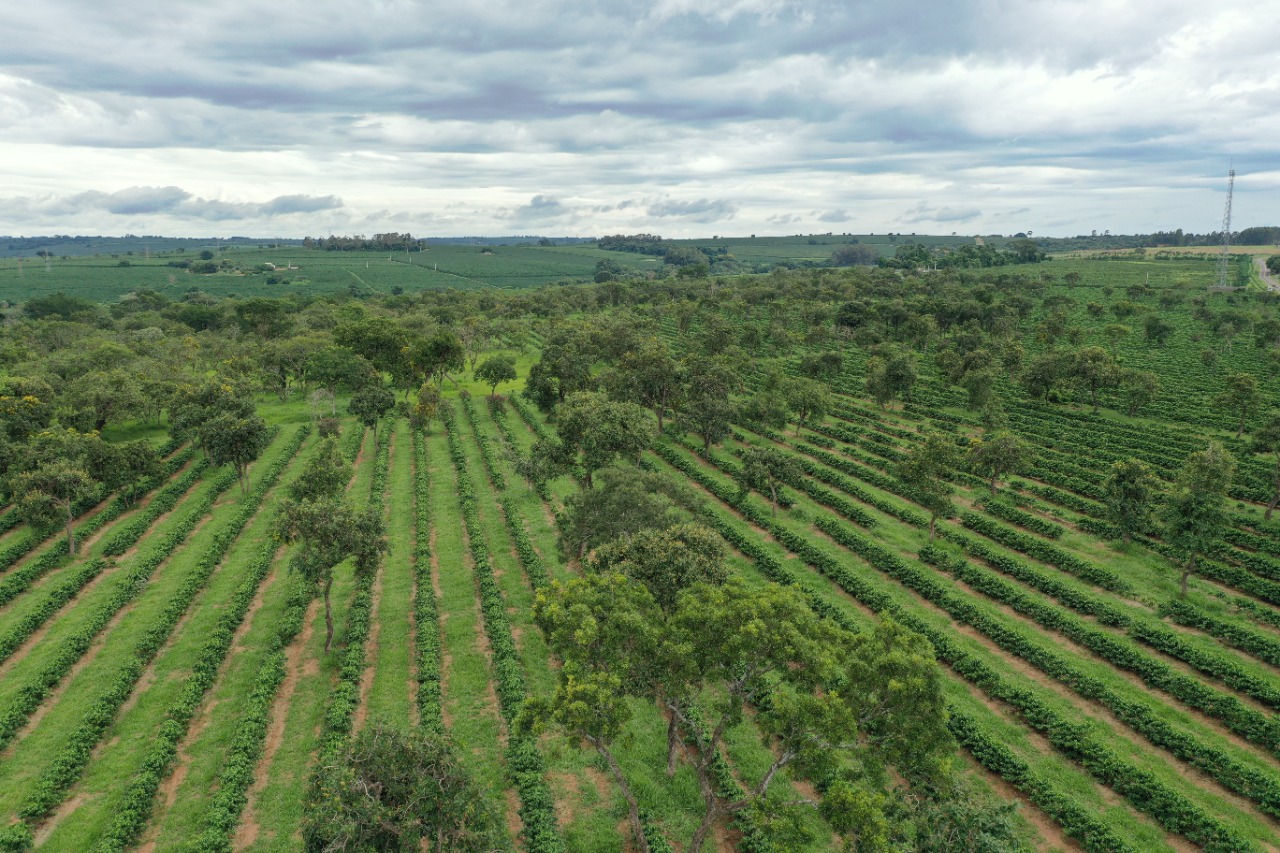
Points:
x=524, y=761
x=78, y=748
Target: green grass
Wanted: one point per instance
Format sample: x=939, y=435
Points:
x=392, y=690
x=33, y=752
x=470, y=706
x=941, y=621
x=101, y=787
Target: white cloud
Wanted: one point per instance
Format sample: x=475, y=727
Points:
x=603, y=116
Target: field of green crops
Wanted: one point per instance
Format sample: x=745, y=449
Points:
x=107, y=276
x=167, y=689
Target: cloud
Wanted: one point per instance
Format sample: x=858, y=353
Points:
x=139, y=200
x=170, y=201
x=924, y=213
x=300, y=204
x=698, y=210
x=539, y=209
x=604, y=116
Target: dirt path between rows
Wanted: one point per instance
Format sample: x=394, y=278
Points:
x=90, y=655
x=995, y=706
x=247, y=831
x=168, y=792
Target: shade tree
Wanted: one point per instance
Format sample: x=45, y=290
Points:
x=494, y=371
x=765, y=469
x=328, y=531
x=393, y=790
x=996, y=454
x=235, y=440
x=927, y=470
x=1193, y=515
x=1130, y=490
x=594, y=431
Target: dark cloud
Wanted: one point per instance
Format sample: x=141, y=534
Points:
x=608, y=113
x=700, y=210
x=300, y=204
x=925, y=213
x=540, y=208
x=169, y=201
x=126, y=202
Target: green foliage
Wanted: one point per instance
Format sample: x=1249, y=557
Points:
x=595, y=430
x=891, y=376
x=996, y=454
x=626, y=500
x=1193, y=515
x=926, y=471
x=764, y=468
x=371, y=403
x=325, y=474
x=235, y=441
x=1131, y=490
x=1240, y=396
x=496, y=370
x=398, y=792
x=667, y=561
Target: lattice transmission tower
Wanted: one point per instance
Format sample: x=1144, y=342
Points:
x=1224, y=259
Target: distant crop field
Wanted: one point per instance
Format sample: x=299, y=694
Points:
x=106, y=277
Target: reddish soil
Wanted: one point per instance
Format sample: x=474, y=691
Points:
x=39, y=634
x=370, y=655
x=247, y=831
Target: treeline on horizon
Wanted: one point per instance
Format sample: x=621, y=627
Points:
x=1261, y=235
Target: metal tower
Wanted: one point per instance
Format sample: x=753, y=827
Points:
x=1224, y=259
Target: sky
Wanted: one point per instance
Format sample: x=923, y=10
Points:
x=674, y=117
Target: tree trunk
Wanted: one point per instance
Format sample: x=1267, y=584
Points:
x=328, y=616
x=673, y=741
x=1240, y=431
x=773, y=506
x=71, y=535
x=709, y=818
x=993, y=483
x=1186, y=573
x=1272, y=506
x=244, y=486
x=633, y=807
x=1125, y=536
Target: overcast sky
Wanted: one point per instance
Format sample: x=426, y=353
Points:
x=683, y=118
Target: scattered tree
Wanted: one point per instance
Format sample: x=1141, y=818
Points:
x=595, y=430
x=400, y=792
x=233, y=440
x=1240, y=397
x=49, y=494
x=329, y=531
x=809, y=400
x=993, y=455
x=1193, y=515
x=370, y=404
x=926, y=470
x=1267, y=440
x=325, y=474
x=496, y=370
x=1140, y=388
x=765, y=469
x=1131, y=489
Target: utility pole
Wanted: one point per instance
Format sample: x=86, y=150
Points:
x=1224, y=259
